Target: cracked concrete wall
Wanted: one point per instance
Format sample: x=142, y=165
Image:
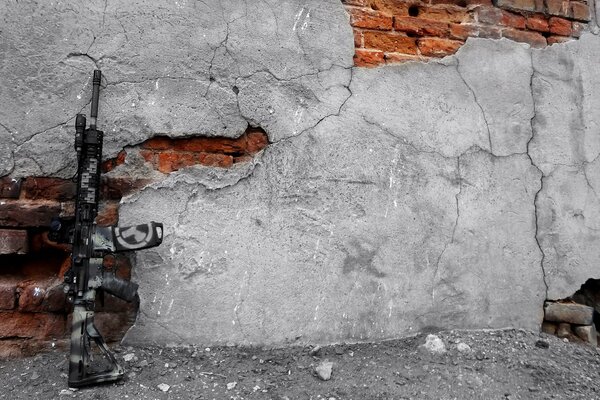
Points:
x=457, y=194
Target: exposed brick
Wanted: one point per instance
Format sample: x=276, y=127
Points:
x=390, y=42
x=10, y=188
x=391, y=7
x=55, y=299
x=421, y=27
x=211, y=145
x=64, y=266
x=538, y=22
x=579, y=11
x=157, y=143
x=119, y=264
x=490, y=32
x=27, y=214
x=149, y=155
x=108, y=214
x=398, y=58
x=31, y=295
x=488, y=15
x=557, y=39
x=42, y=188
x=8, y=291
x=437, y=47
x=13, y=241
x=558, y=7
x=31, y=325
x=39, y=242
x=560, y=26
x=256, y=140
x=578, y=29
x=369, y=19
x=540, y=6
x=112, y=163
x=463, y=3
x=358, y=38
x=533, y=38
x=462, y=32
x=512, y=20
x=215, y=160
x=573, y=313
x=169, y=161
x=368, y=58
x=526, y=5
x=447, y=13
x=43, y=265
x=114, y=188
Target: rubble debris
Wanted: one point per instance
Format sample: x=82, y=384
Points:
x=324, y=370
x=434, y=344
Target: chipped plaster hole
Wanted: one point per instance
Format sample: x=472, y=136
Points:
x=166, y=154
x=577, y=317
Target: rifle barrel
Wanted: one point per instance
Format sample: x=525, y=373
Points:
x=95, y=95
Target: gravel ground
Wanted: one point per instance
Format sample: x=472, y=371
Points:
x=498, y=364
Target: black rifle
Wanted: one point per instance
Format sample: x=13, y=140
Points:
x=90, y=245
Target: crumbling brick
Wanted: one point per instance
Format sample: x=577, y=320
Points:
x=28, y=214
x=390, y=42
x=31, y=296
x=108, y=214
x=14, y=241
x=436, y=28
x=10, y=188
x=538, y=22
x=436, y=47
x=525, y=5
x=44, y=188
x=535, y=39
x=560, y=26
x=370, y=19
x=8, y=291
x=31, y=325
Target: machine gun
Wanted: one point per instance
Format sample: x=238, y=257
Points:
x=90, y=245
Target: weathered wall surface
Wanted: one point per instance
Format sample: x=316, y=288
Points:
x=456, y=193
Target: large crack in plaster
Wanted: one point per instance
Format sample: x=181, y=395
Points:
x=487, y=125
x=537, y=194
x=439, y=259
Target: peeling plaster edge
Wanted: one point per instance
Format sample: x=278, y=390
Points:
x=210, y=178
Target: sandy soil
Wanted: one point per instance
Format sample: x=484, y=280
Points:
x=499, y=364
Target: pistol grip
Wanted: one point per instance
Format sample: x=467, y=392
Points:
x=118, y=287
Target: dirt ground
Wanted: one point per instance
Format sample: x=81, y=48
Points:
x=499, y=364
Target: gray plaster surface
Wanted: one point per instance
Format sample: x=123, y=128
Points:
x=175, y=70
x=457, y=193
x=565, y=147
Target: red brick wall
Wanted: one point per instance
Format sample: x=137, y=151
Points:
x=33, y=308
x=391, y=31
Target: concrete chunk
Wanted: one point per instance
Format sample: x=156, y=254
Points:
x=573, y=313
